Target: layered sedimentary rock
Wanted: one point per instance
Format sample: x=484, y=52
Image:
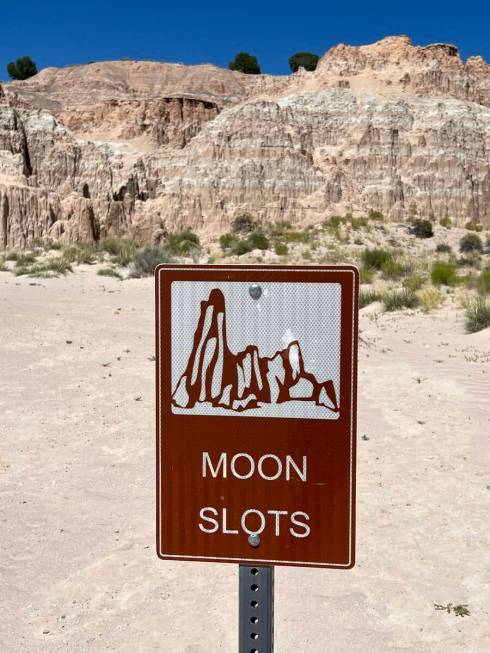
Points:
x=141, y=148
x=244, y=380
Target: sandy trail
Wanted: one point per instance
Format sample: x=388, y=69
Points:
x=78, y=570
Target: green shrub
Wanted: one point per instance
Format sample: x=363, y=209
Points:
x=376, y=258
x=443, y=248
x=21, y=68
x=483, y=282
x=227, y=242
x=243, y=224
x=375, y=215
x=11, y=256
x=414, y=283
x=473, y=226
x=241, y=247
x=445, y=222
x=258, y=240
x=279, y=228
x=281, y=249
x=477, y=315
x=392, y=269
x=306, y=60
x=471, y=260
x=430, y=299
x=109, y=272
x=334, y=222
x=470, y=243
x=245, y=63
x=122, y=250
x=359, y=223
x=182, y=243
x=303, y=236
x=79, y=254
x=22, y=260
x=397, y=300
x=443, y=274
x=367, y=297
x=422, y=229
x=52, y=267
x=146, y=260
x=366, y=274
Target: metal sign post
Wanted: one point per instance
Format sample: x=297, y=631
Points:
x=256, y=609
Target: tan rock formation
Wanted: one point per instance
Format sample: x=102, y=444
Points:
x=142, y=147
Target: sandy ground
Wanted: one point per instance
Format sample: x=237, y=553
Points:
x=78, y=569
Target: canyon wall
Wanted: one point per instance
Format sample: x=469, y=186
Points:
x=142, y=148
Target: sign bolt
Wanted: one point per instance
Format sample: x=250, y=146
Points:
x=255, y=291
x=254, y=539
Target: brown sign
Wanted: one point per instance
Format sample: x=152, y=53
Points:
x=256, y=414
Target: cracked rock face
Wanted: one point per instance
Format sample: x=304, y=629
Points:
x=140, y=148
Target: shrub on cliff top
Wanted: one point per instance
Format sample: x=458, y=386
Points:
x=306, y=60
x=245, y=63
x=21, y=68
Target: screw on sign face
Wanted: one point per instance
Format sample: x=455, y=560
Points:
x=256, y=414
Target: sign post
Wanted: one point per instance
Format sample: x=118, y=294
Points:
x=256, y=423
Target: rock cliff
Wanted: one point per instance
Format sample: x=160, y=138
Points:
x=139, y=148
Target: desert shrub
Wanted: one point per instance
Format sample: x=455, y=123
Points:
x=367, y=297
x=392, y=269
x=243, y=224
x=471, y=260
x=477, y=315
x=241, y=247
x=306, y=60
x=281, y=249
x=21, y=68
x=483, y=282
x=473, y=226
x=78, y=254
x=109, y=272
x=359, y=223
x=22, y=260
x=3, y=267
x=443, y=274
x=414, y=282
x=245, y=63
x=445, y=222
x=430, y=299
x=399, y=299
x=376, y=258
x=11, y=256
x=182, y=243
x=367, y=275
x=52, y=267
x=258, y=240
x=443, y=248
x=122, y=250
x=227, y=242
x=303, y=236
x=146, y=260
x=375, y=215
x=470, y=243
x=279, y=228
x=422, y=229
x=334, y=222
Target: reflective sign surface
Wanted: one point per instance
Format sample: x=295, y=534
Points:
x=256, y=390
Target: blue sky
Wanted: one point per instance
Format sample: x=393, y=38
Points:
x=59, y=33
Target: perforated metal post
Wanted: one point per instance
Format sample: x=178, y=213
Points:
x=256, y=609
